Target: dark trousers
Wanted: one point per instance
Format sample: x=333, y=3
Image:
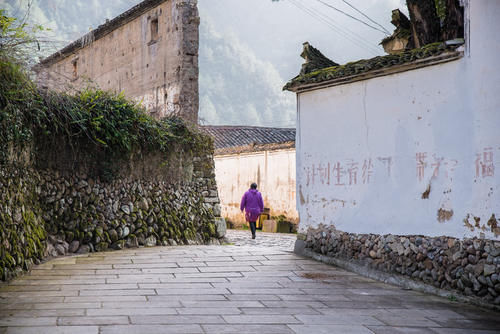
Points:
x=252, y=228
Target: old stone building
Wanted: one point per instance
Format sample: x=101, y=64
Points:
x=150, y=53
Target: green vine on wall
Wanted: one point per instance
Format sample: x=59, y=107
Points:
x=88, y=121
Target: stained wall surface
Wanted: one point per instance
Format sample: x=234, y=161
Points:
x=152, y=58
x=416, y=152
x=273, y=171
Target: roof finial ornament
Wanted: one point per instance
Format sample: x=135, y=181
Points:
x=315, y=60
x=401, y=39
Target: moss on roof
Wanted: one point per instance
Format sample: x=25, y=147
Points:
x=367, y=65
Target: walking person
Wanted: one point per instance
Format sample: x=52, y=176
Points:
x=253, y=205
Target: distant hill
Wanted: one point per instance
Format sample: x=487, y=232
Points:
x=236, y=87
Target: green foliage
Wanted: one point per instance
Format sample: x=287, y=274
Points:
x=280, y=218
x=16, y=94
x=18, y=37
x=109, y=122
x=90, y=121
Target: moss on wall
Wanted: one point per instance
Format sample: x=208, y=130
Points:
x=22, y=229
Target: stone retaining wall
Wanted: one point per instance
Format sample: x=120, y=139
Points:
x=470, y=267
x=49, y=211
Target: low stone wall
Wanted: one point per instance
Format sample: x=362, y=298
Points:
x=47, y=211
x=469, y=267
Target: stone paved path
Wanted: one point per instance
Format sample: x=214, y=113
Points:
x=241, y=288
x=285, y=242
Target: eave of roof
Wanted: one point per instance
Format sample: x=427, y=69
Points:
x=378, y=66
x=227, y=136
x=254, y=148
x=101, y=31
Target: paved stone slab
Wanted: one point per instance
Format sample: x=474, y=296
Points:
x=251, y=286
x=409, y=320
x=247, y=329
x=261, y=319
x=131, y=311
x=400, y=330
x=196, y=297
x=344, y=319
x=176, y=319
x=153, y=329
x=43, y=313
x=223, y=303
x=330, y=329
x=53, y=330
x=139, y=305
x=463, y=331
x=22, y=321
x=279, y=310
x=93, y=320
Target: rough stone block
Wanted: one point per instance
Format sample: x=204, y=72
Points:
x=270, y=226
x=284, y=227
x=220, y=227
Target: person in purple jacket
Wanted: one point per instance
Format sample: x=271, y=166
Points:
x=253, y=205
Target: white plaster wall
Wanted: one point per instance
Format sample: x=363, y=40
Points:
x=273, y=171
x=367, y=151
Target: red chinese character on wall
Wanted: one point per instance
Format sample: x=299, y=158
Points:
x=324, y=173
x=485, y=166
x=367, y=170
x=436, y=165
x=352, y=170
x=338, y=174
x=421, y=164
x=314, y=173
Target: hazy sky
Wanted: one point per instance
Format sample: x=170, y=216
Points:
x=248, y=48
x=275, y=31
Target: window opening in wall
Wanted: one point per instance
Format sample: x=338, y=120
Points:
x=154, y=30
x=74, y=62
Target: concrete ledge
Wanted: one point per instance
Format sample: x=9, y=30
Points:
x=389, y=278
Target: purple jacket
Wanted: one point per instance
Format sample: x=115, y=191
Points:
x=253, y=204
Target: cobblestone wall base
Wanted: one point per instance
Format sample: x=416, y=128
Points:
x=465, y=270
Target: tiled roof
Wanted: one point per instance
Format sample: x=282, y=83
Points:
x=102, y=31
x=236, y=139
x=343, y=73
